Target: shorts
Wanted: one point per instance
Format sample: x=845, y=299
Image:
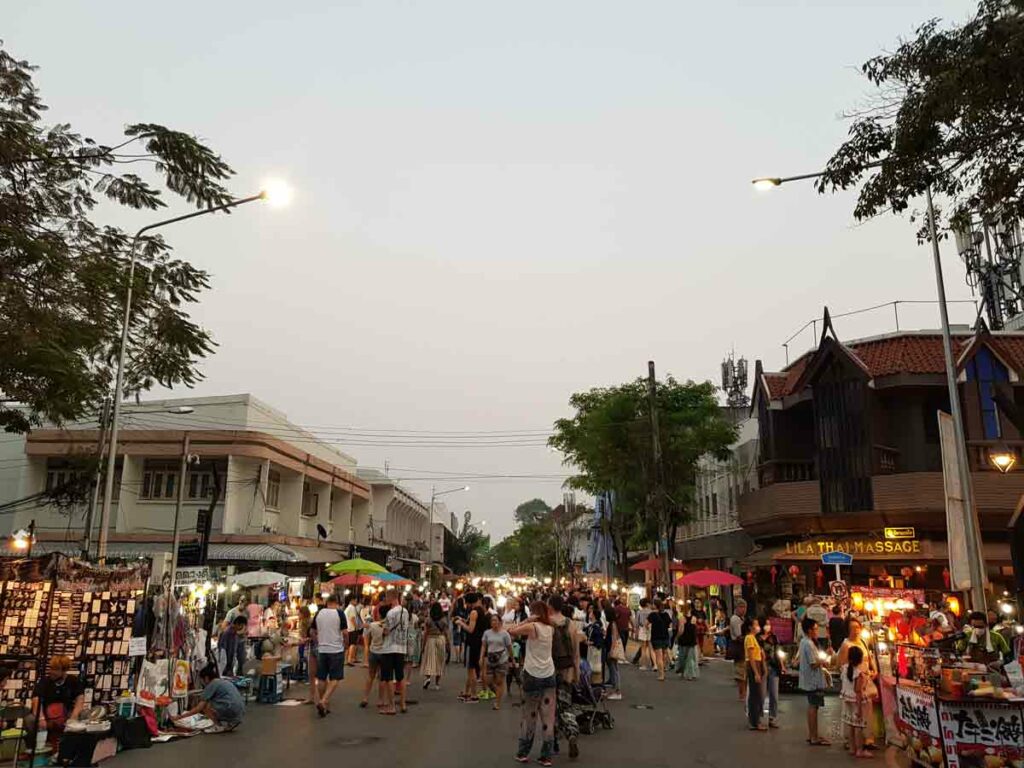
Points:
x=816, y=699
x=498, y=670
x=330, y=665
x=660, y=644
x=457, y=637
x=373, y=662
x=392, y=667
x=473, y=655
x=354, y=636
x=228, y=715
x=739, y=670
x=643, y=635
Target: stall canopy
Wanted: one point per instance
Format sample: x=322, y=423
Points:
x=656, y=564
x=259, y=578
x=708, y=578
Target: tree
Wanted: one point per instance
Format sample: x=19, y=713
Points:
x=532, y=511
x=608, y=442
x=469, y=549
x=63, y=274
x=948, y=113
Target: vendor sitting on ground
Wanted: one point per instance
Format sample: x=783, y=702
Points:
x=220, y=701
x=981, y=644
x=59, y=697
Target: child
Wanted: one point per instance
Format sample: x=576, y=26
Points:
x=853, y=702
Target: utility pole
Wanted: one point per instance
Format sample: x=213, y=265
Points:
x=659, y=480
x=100, y=452
x=176, y=536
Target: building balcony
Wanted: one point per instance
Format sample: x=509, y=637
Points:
x=785, y=471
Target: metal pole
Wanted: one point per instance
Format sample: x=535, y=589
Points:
x=31, y=538
x=100, y=452
x=652, y=394
x=175, y=537
x=430, y=537
x=971, y=527
x=108, y=491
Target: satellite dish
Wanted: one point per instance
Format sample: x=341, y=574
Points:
x=321, y=532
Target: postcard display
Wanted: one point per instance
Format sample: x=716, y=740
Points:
x=58, y=606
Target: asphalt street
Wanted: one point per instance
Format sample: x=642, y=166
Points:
x=681, y=723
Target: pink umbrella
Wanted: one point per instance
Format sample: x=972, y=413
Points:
x=656, y=564
x=706, y=577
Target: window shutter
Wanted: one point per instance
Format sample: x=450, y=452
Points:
x=971, y=404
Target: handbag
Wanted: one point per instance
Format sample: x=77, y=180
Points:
x=735, y=651
x=616, y=652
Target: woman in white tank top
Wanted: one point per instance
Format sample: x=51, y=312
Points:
x=538, y=685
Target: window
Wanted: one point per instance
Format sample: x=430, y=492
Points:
x=714, y=504
x=61, y=477
x=987, y=372
x=844, y=452
x=273, y=489
x=310, y=501
x=730, y=498
x=160, y=481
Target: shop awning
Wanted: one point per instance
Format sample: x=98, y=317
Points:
x=220, y=554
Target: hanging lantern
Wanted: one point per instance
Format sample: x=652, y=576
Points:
x=819, y=580
x=774, y=574
x=945, y=577
x=794, y=571
x=907, y=573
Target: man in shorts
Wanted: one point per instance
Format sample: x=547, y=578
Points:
x=474, y=627
x=739, y=665
x=812, y=679
x=392, y=658
x=329, y=628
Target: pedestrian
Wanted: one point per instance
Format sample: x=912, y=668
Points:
x=735, y=650
x=435, y=646
x=219, y=700
x=660, y=624
x=329, y=628
x=754, y=657
x=855, y=639
x=496, y=654
x=355, y=630
x=565, y=648
x=615, y=652
x=700, y=617
x=392, y=660
x=623, y=621
x=721, y=633
x=232, y=642
x=644, y=656
x=853, y=697
x=836, y=628
x=538, y=685
x=373, y=632
x=366, y=616
x=686, y=642
x=774, y=659
x=414, y=639
x=459, y=611
x=474, y=627
x=811, y=663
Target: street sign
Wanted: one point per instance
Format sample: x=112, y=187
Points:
x=900, y=533
x=185, y=576
x=837, y=558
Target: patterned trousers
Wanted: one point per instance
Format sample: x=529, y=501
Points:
x=538, y=708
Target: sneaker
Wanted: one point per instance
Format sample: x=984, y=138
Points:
x=544, y=761
x=614, y=697
x=522, y=759
x=471, y=700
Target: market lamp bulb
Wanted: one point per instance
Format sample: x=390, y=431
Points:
x=1003, y=459
x=1006, y=608
x=276, y=192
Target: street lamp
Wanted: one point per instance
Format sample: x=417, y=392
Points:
x=434, y=493
x=1002, y=458
x=23, y=539
x=972, y=530
x=276, y=194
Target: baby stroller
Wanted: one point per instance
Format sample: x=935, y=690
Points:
x=591, y=702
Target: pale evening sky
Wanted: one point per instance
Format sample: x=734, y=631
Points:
x=498, y=204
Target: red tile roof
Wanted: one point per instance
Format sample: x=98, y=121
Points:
x=912, y=353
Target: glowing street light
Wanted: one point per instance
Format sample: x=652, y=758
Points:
x=1002, y=458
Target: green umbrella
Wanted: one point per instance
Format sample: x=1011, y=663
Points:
x=356, y=565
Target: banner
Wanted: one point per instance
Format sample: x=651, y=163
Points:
x=917, y=718
x=982, y=733
x=959, y=568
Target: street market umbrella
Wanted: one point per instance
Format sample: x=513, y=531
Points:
x=707, y=577
x=259, y=578
x=356, y=565
x=655, y=564
x=351, y=580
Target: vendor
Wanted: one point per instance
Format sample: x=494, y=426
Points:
x=232, y=642
x=58, y=698
x=981, y=644
x=220, y=701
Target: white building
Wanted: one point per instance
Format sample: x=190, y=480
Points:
x=285, y=496
x=713, y=533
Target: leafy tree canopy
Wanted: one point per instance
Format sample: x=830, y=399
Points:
x=947, y=111
x=469, y=549
x=532, y=511
x=608, y=442
x=63, y=274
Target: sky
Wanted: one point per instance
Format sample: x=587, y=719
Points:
x=499, y=204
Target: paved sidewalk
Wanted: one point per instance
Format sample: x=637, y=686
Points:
x=685, y=723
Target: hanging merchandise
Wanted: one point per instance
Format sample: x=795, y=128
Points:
x=775, y=574
x=181, y=679
x=819, y=581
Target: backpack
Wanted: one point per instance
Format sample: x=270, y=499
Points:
x=561, y=647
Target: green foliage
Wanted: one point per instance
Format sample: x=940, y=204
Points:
x=63, y=275
x=609, y=444
x=470, y=548
x=530, y=550
x=948, y=112
x=532, y=511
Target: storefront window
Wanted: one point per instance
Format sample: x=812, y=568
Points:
x=987, y=372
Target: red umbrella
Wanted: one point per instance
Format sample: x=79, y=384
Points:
x=655, y=564
x=706, y=577
x=351, y=580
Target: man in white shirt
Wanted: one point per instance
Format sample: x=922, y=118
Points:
x=355, y=626
x=329, y=629
x=392, y=658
